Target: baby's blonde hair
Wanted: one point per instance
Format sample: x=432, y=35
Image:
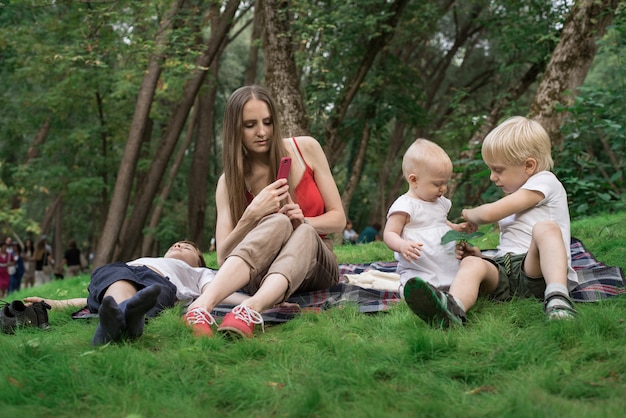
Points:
x=515, y=140
x=425, y=155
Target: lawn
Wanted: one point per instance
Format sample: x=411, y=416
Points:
x=507, y=361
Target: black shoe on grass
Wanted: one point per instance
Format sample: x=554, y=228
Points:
x=435, y=307
x=16, y=314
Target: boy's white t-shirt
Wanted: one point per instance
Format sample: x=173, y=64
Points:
x=516, y=230
x=437, y=264
x=188, y=280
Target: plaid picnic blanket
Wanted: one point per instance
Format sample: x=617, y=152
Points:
x=597, y=281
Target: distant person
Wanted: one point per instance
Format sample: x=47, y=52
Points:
x=28, y=280
x=418, y=219
x=6, y=261
x=16, y=278
x=369, y=234
x=349, y=234
x=533, y=257
x=43, y=261
x=9, y=242
x=71, y=260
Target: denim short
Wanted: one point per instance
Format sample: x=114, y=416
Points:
x=140, y=276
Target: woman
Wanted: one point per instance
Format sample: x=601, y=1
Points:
x=6, y=260
x=271, y=234
x=43, y=259
x=29, y=264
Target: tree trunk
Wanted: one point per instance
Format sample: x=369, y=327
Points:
x=570, y=62
x=359, y=160
x=200, y=164
x=255, y=40
x=145, y=195
x=126, y=172
x=148, y=248
x=281, y=73
x=390, y=178
x=58, y=248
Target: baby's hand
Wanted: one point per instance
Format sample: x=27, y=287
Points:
x=411, y=250
x=467, y=227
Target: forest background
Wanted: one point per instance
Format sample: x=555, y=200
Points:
x=111, y=110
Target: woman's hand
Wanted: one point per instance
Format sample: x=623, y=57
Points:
x=293, y=212
x=269, y=200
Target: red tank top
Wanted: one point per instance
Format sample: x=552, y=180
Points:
x=306, y=193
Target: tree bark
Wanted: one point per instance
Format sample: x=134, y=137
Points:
x=126, y=172
x=256, y=39
x=570, y=63
x=359, y=160
x=200, y=164
x=281, y=73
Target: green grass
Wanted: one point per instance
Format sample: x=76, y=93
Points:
x=508, y=360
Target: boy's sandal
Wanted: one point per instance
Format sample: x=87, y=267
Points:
x=559, y=310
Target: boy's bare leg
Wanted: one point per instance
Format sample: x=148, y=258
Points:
x=547, y=241
x=121, y=290
x=475, y=275
x=547, y=257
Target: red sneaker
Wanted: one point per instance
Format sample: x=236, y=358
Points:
x=240, y=322
x=200, y=320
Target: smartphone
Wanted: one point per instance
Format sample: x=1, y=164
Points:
x=283, y=168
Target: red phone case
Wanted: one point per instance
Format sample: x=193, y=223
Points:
x=283, y=168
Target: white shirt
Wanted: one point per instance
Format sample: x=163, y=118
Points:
x=516, y=230
x=188, y=280
x=427, y=224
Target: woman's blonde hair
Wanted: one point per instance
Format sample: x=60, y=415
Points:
x=515, y=140
x=234, y=155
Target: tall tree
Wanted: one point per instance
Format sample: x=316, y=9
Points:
x=143, y=200
x=570, y=62
x=281, y=74
x=201, y=160
x=123, y=185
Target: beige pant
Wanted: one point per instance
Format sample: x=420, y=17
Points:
x=300, y=255
x=41, y=277
x=73, y=271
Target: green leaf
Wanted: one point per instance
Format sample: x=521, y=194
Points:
x=452, y=235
